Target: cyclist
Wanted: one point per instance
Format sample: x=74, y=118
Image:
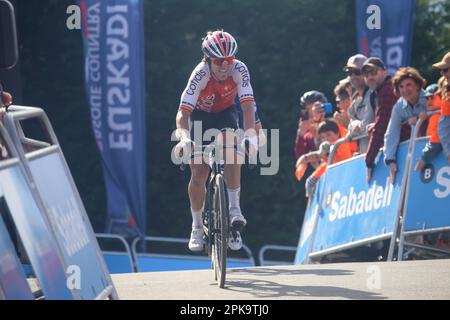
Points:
x=209, y=98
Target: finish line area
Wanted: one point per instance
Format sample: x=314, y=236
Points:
x=424, y=279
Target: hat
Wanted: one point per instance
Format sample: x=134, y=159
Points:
x=355, y=62
x=373, y=62
x=444, y=64
x=431, y=90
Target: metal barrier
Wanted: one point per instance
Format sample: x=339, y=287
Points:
x=62, y=208
x=198, y=258
x=324, y=179
x=312, y=246
x=268, y=247
x=127, y=254
x=399, y=231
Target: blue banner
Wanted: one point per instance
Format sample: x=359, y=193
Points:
x=36, y=236
x=348, y=209
x=431, y=209
x=385, y=30
x=114, y=72
x=72, y=231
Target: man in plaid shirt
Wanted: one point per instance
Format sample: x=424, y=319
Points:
x=377, y=79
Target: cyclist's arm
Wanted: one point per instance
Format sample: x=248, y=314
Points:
x=249, y=115
x=182, y=123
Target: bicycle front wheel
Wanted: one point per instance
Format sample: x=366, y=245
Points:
x=221, y=218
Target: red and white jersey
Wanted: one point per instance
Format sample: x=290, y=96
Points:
x=205, y=93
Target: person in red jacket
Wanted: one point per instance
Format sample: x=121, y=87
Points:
x=377, y=79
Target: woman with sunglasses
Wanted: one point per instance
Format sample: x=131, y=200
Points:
x=209, y=98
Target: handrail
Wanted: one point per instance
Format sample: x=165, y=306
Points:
x=272, y=247
x=176, y=240
x=124, y=242
x=335, y=146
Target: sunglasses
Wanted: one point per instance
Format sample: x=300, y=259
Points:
x=219, y=61
x=372, y=72
x=353, y=72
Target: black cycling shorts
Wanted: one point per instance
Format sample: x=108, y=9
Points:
x=227, y=119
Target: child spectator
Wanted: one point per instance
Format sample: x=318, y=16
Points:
x=329, y=133
x=433, y=147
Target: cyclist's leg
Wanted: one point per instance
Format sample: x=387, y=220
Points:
x=232, y=173
x=196, y=187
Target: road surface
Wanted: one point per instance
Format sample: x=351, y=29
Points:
x=428, y=279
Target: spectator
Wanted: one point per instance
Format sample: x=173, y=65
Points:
x=444, y=88
x=329, y=133
x=433, y=147
x=378, y=80
x=343, y=93
x=361, y=110
x=5, y=101
x=408, y=84
x=305, y=140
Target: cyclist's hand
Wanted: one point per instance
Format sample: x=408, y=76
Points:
x=6, y=100
x=250, y=145
x=184, y=148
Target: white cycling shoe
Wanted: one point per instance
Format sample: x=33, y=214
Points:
x=235, y=240
x=237, y=220
x=196, y=243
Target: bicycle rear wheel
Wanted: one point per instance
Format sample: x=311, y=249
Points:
x=220, y=221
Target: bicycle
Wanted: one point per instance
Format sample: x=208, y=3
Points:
x=215, y=215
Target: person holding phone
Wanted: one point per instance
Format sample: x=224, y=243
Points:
x=305, y=140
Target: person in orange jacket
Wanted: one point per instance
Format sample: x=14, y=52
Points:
x=433, y=147
x=444, y=89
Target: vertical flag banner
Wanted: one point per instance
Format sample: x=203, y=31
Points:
x=385, y=30
x=113, y=40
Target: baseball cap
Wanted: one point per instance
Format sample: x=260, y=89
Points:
x=373, y=62
x=431, y=90
x=355, y=62
x=444, y=64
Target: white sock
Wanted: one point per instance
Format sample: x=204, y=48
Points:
x=197, y=221
x=233, y=196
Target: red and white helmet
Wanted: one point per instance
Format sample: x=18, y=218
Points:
x=219, y=44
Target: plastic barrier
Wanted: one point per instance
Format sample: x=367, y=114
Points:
x=20, y=201
x=147, y=262
x=13, y=282
x=47, y=169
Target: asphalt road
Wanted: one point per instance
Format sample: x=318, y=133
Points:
x=429, y=279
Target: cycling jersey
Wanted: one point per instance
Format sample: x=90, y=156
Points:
x=206, y=94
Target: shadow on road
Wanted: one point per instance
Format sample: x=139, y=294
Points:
x=271, y=289
x=263, y=288
x=275, y=271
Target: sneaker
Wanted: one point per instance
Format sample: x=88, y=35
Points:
x=235, y=240
x=237, y=220
x=196, y=243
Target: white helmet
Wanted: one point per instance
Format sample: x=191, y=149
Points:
x=219, y=44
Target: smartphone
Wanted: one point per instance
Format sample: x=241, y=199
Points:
x=328, y=108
